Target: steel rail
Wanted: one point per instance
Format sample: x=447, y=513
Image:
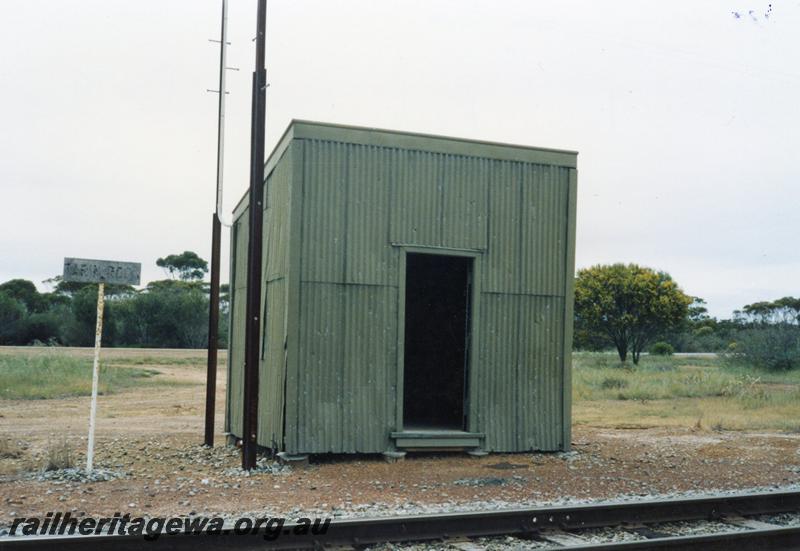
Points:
x=776, y=539
x=513, y=522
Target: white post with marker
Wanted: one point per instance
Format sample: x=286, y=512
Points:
x=82, y=270
x=98, y=338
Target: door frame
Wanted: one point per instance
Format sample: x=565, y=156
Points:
x=474, y=311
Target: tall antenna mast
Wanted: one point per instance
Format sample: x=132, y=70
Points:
x=213, y=312
x=223, y=61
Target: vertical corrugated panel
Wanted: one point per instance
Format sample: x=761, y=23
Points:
x=544, y=229
x=497, y=370
x=347, y=362
x=324, y=211
x=293, y=345
x=519, y=375
x=266, y=230
x=320, y=382
x=502, y=258
x=273, y=304
x=369, y=257
x=271, y=375
x=347, y=367
x=276, y=232
x=369, y=368
x=236, y=346
x=416, y=198
x=465, y=210
x=272, y=369
x=540, y=375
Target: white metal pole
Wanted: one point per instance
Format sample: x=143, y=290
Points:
x=98, y=334
x=223, y=62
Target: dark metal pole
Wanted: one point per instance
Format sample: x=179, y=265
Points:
x=213, y=330
x=256, y=213
x=213, y=307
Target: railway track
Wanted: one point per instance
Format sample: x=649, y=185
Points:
x=734, y=522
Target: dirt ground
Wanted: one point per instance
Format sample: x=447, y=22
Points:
x=153, y=434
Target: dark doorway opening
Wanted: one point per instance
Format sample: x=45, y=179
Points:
x=437, y=312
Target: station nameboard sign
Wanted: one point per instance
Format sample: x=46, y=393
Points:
x=84, y=270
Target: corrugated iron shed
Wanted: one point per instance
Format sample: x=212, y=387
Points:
x=345, y=210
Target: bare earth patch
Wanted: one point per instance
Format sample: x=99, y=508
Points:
x=153, y=435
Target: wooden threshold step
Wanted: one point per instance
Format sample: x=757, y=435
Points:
x=437, y=439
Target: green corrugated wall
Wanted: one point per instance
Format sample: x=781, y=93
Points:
x=238, y=278
x=272, y=369
x=342, y=205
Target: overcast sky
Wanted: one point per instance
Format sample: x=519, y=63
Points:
x=685, y=115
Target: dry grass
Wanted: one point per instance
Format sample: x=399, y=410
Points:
x=699, y=393
x=58, y=455
x=54, y=374
x=10, y=449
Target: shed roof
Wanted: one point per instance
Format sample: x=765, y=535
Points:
x=303, y=129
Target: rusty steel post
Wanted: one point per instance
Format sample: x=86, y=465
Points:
x=254, y=252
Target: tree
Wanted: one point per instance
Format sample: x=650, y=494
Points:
x=25, y=292
x=785, y=310
x=698, y=313
x=164, y=317
x=224, y=315
x=12, y=311
x=768, y=335
x=65, y=289
x=630, y=304
x=187, y=265
x=83, y=320
x=173, y=285
x=40, y=327
x=700, y=332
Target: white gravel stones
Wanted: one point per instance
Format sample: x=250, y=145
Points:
x=697, y=528
x=63, y=476
x=263, y=466
x=609, y=535
x=377, y=509
x=782, y=519
x=490, y=481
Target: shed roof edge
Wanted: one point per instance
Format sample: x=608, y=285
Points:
x=306, y=129
x=434, y=142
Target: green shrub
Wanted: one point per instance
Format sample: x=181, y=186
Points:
x=704, y=331
x=662, y=348
x=39, y=328
x=768, y=347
